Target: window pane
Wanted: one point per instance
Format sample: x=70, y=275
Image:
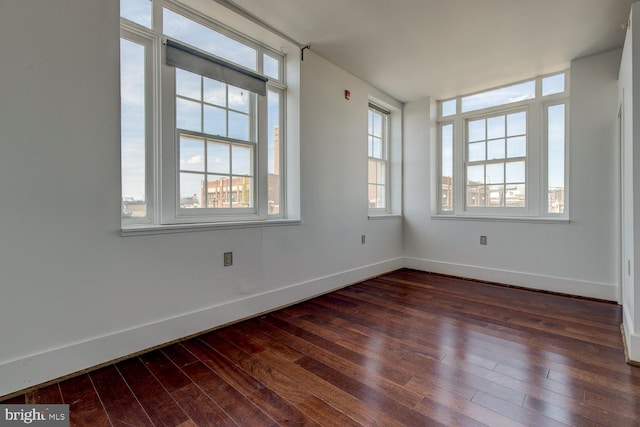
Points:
x=553, y=84
x=138, y=11
x=495, y=127
x=241, y=160
x=476, y=130
x=273, y=151
x=381, y=173
x=242, y=192
x=190, y=190
x=556, y=149
x=215, y=121
x=381, y=193
x=502, y=96
x=447, y=168
x=477, y=151
x=238, y=126
x=271, y=66
x=191, y=154
x=475, y=174
x=517, y=124
x=447, y=150
x=517, y=147
x=495, y=173
x=515, y=196
x=188, y=115
x=515, y=172
x=215, y=92
x=218, y=158
x=133, y=129
x=495, y=149
x=208, y=40
x=218, y=190
x=449, y=107
x=376, y=147
x=239, y=99
x=188, y=84
x=495, y=195
x=475, y=195
x=377, y=124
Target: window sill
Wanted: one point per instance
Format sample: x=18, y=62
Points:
x=384, y=216
x=149, y=229
x=527, y=219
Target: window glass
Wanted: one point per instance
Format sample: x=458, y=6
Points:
x=274, y=149
x=138, y=11
x=449, y=107
x=133, y=129
x=502, y=96
x=271, y=66
x=446, y=178
x=556, y=149
x=553, y=84
x=180, y=28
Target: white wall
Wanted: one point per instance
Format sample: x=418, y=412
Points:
x=629, y=98
x=578, y=258
x=75, y=293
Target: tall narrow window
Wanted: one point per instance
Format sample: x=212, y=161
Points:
x=446, y=167
x=275, y=146
x=556, y=155
x=133, y=100
x=378, y=159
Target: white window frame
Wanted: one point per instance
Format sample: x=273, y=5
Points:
x=384, y=159
x=162, y=158
x=536, y=159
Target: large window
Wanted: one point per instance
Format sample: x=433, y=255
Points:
x=378, y=149
x=502, y=152
x=202, y=120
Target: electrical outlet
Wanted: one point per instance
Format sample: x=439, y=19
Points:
x=483, y=240
x=363, y=239
x=228, y=259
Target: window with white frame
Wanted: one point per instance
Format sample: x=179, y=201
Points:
x=502, y=152
x=202, y=114
x=378, y=153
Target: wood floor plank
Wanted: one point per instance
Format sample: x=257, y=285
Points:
x=200, y=408
x=234, y=403
x=50, y=394
x=154, y=398
x=365, y=393
x=85, y=407
x=179, y=355
x=402, y=349
x=165, y=371
x=119, y=402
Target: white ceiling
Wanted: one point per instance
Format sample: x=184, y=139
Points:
x=411, y=49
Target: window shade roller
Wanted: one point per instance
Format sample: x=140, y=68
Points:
x=189, y=59
x=379, y=108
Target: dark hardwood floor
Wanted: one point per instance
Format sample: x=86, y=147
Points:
x=403, y=349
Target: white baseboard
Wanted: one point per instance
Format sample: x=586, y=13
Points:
x=582, y=288
x=632, y=339
x=49, y=365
